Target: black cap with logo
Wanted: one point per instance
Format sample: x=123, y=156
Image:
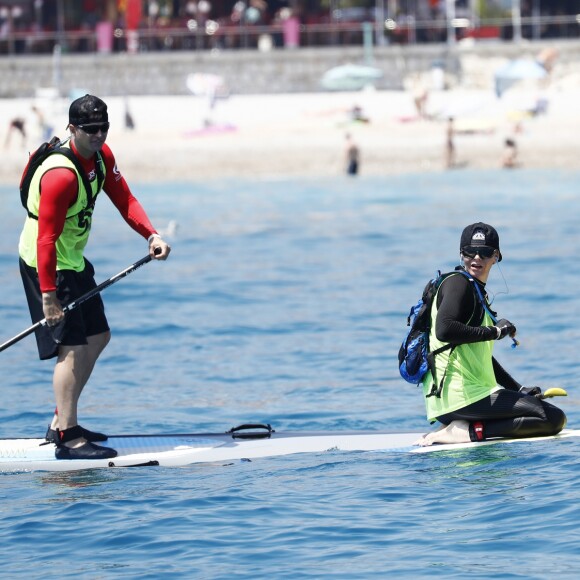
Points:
x=480, y=234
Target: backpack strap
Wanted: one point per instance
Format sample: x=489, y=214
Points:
x=67, y=152
x=479, y=295
x=436, y=389
x=100, y=173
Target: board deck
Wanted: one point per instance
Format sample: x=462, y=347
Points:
x=186, y=449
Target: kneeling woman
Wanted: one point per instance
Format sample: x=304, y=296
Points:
x=471, y=395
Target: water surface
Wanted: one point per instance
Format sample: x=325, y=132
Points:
x=285, y=302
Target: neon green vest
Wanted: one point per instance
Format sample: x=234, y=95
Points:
x=75, y=235
x=467, y=372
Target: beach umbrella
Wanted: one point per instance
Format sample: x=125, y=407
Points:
x=515, y=71
x=207, y=84
x=350, y=77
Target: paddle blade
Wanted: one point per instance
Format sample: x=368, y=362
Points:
x=554, y=392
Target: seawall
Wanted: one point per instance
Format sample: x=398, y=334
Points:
x=274, y=72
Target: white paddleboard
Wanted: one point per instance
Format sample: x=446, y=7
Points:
x=187, y=449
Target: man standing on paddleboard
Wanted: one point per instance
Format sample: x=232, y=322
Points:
x=475, y=398
x=55, y=272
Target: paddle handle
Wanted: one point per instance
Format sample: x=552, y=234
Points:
x=554, y=392
x=78, y=301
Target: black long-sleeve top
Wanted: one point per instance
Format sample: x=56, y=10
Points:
x=459, y=318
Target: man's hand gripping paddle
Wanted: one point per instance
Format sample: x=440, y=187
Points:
x=79, y=301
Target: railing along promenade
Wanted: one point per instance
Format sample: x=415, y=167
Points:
x=215, y=36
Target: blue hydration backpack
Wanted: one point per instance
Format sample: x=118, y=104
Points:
x=414, y=356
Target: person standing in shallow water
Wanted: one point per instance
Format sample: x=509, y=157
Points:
x=55, y=272
x=352, y=154
x=478, y=398
x=450, y=158
x=509, y=158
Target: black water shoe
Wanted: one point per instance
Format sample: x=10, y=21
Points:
x=53, y=437
x=86, y=451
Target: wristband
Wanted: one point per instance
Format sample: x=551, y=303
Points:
x=153, y=236
x=498, y=332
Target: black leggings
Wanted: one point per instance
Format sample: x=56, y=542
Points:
x=508, y=413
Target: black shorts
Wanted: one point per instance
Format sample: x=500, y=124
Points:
x=87, y=319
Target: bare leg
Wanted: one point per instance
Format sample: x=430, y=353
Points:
x=455, y=432
x=71, y=373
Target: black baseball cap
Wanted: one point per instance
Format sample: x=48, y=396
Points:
x=480, y=234
x=87, y=110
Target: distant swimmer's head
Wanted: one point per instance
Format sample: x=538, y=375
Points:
x=480, y=235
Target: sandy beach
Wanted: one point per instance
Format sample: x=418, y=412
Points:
x=303, y=135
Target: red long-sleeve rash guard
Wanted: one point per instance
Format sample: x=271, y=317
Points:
x=59, y=189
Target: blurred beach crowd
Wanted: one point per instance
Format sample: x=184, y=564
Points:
x=80, y=26
x=303, y=135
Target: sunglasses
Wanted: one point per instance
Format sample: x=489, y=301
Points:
x=482, y=251
x=94, y=129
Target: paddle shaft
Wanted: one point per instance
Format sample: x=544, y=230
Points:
x=78, y=301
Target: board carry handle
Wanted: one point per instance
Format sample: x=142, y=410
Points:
x=236, y=432
x=79, y=301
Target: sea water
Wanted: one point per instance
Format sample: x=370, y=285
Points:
x=285, y=301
